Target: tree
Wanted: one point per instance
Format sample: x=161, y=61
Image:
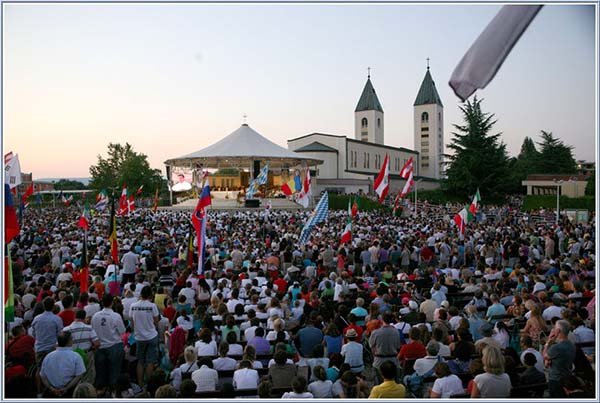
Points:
x=125, y=166
x=480, y=159
x=590, y=188
x=526, y=163
x=67, y=184
x=555, y=156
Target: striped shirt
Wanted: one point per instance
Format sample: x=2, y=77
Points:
x=83, y=335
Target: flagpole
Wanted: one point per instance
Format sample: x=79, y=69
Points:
x=416, y=199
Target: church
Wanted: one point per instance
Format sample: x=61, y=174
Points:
x=351, y=164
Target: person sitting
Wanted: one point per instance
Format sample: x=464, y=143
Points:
x=205, y=378
x=246, y=377
x=447, y=384
x=389, y=388
x=494, y=382
x=282, y=372
x=321, y=387
x=531, y=375
x=224, y=363
x=298, y=387
x=414, y=349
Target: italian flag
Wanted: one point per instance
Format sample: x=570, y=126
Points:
x=347, y=234
x=475, y=203
x=461, y=219
x=84, y=219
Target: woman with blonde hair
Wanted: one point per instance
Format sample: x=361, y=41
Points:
x=494, y=382
x=278, y=326
x=535, y=326
x=184, y=371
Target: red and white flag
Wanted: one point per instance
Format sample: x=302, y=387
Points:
x=306, y=192
x=123, y=204
x=139, y=191
x=407, y=173
x=382, y=182
x=347, y=234
x=130, y=204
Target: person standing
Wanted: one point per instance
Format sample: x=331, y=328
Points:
x=144, y=319
x=62, y=369
x=109, y=327
x=46, y=327
x=559, y=354
x=385, y=342
x=130, y=262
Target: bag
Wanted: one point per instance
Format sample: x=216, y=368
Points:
x=414, y=382
x=187, y=374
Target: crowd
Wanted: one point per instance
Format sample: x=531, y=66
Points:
x=408, y=308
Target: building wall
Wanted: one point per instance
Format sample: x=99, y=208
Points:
x=374, y=129
x=569, y=189
x=368, y=158
x=429, y=139
x=336, y=142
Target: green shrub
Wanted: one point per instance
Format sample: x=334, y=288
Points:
x=340, y=202
x=533, y=202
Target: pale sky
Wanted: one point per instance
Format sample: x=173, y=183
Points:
x=172, y=79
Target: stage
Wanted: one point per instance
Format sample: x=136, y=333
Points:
x=228, y=201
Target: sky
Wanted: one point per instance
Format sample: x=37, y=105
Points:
x=171, y=79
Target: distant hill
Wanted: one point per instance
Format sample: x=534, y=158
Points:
x=85, y=181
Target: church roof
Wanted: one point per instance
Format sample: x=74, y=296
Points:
x=368, y=100
x=315, y=146
x=427, y=93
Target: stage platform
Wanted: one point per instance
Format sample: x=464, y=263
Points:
x=219, y=203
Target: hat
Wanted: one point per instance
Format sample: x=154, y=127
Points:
x=405, y=301
x=539, y=287
x=351, y=334
x=445, y=304
x=413, y=305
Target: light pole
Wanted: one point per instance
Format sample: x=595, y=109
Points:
x=558, y=185
x=416, y=200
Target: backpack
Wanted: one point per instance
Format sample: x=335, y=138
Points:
x=402, y=337
x=414, y=382
x=188, y=373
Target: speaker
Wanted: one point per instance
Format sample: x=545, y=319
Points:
x=256, y=168
x=254, y=203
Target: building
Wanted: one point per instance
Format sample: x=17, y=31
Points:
x=586, y=168
x=566, y=185
x=351, y=164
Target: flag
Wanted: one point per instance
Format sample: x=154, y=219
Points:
x=139, y=191
x=347, y=234
x=130, y=204
x=382, y=185
x=12, y=171
x=11, y=224
x=252, y=189
x=262, y=177
x=297, y=183
x=112, y=237
x=205, y=199
x=123, y=204
x=84, y=221
x=354, y=209
x=84, y=266
x=475, y=203
x=28, y=192
x=289, y=188
x=155, y=201
x=396, y=202
x=190, y=248
x=306, y=192
x=461, y=219
x=406, y=172
x=101, y=200
x=66, y=200
x=7, y=157
x=484, y=58
x=9, y=292
x=317, y=216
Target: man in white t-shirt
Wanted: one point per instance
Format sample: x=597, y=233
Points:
x=130, y=263
x=144, y=318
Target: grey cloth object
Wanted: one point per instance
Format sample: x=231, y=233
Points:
x=483, y=59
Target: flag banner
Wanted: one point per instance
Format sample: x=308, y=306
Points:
x=84, y=266
x=354, y=208
x=485, y=57
x=11, y=224
x=123, y=203
x=381, y=184
x=84, y=220
x=306, y=192
x=112, y=231
x=9, y=292
x=318, y=215
x=289, y=187
x=12, y=171
x=101, y=201
x=139, y=191
x=262, y=177
x=475, y=203
x=347, y=233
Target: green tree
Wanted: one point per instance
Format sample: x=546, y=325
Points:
x=526, y=163
x=67, y=184
x=125, y=166
x=555, y=156
x=480, y=159
x=590, y=188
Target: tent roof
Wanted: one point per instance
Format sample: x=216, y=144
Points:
x=239, y=149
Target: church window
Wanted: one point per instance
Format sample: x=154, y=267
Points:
x=364, y=122
x=379, y=123
x=364, y=136
x=424, y=117
x=368, y=161
x=364, y=160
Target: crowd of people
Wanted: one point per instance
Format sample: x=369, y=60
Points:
x=409, y=308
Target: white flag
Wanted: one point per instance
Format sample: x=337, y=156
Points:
x=12, y=172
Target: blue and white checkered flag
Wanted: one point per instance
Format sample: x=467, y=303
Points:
x=261, y=179
x=317, y=216
x=252, y=189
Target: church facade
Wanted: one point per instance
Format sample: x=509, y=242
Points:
x=351, y=164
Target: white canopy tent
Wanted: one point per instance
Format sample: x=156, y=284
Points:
x=240, y=149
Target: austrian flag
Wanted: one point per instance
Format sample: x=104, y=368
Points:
x=382, y=183
x=347, y=234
